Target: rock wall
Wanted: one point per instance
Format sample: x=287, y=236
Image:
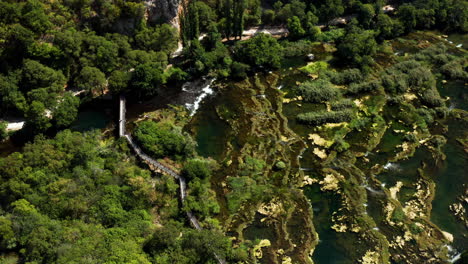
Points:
x=163, y=10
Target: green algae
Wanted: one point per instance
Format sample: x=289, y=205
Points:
x=250, y=108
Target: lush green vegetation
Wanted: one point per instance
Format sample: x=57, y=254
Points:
x=164, y=140
x=318, y=91
x=320, y=118
x=81, y=198
x=51, y=48
x=77, y=198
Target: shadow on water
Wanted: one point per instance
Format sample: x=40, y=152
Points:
x=209, y=130
x=449, y=185
x=456, y=90
x=327, y=250
x=91, y=119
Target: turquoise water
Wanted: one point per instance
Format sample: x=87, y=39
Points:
x=450, y=179
x=90, y=119
x=449, y=176
x=210, y=131
x=327, y=250
x=456, y=90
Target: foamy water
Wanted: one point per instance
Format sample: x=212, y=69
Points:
x=391, y=166
x=453, y=254
x=205, y=91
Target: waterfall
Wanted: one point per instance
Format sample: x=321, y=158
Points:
x=391, y=166
x=205, y=91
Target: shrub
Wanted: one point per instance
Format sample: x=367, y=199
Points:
x=426, y=114
x=345, y=77
x=314, y=67
x=196, y=168
x=239, y=70
x=297, y=48
x=415, y=229
x=331, y=35
x=395, y=83
x=280, y=165
x=3, y=131
x=341, y=145
x=318, y=91
x=365, y=87
x=406, y=66
x=342, y=104
x=398, y=215
x=431, y=98
x=322, y=117
x=420, y=77
x=454, y=70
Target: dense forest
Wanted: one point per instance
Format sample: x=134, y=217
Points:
x=84, y=197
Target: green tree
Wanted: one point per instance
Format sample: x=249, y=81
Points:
x=3, y=131
x=34, y=17
x=92, y=80
x=11, y=97
x=385, y=27
x=358, y=47
x=294, y=8
x=268, y=17
x=37, y=116
x=119, y=81
x=407, y=15
x=36, y=75
x=295, y=28
x=331, y=9
x=366, y=14
x=163, y=140
x=67, y=110
x=160, y=38
x=69, y=41
x=147, y=79
x=196, y=168
x=310, y=21
x=260, y=51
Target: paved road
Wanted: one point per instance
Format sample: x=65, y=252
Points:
x=159, y=166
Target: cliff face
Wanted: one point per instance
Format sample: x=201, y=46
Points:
x=163, y=10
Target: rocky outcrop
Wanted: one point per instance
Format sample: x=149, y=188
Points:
x=163, y=11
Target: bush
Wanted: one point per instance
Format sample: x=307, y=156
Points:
x=395, y=83
x=406, y=66
x=314, y=67
x=419, y=77
x=454, y=70
x=426, y=114
x=415, y=229
x=322, y=117
x=280, y=165
x=342, y=104
x=431, y=98
x=345, y=77
x=398, y=215
x=196, y=168
x=331, y=35
x=366, y=87
x=239, y=70
x=3, y=131
x=318, y=91
x=297, y=48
